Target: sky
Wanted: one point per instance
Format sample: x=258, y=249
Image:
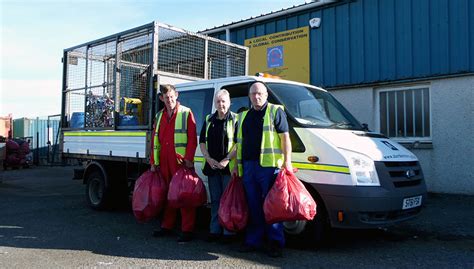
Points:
x=35, y=33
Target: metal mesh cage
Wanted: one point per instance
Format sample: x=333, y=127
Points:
x=225, y=60
x=181, y=53
x=186, y=53
x=75, y=91
x=135, y=68
x=95, y=71
x=99, y=105
x=90, y=87
x=109, y=81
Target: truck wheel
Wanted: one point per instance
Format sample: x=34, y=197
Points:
x=97, y=194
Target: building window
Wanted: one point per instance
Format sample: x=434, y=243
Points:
x=405, y=114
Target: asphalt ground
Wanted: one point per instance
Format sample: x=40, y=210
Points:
x=45, y=223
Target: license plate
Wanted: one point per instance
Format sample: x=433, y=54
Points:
x=411, y=202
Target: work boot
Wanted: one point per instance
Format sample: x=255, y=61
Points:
x=211, y=237
x=227, y=239
x=161, y=232
x=274, y=250
x=185, y=237
x=244, y=248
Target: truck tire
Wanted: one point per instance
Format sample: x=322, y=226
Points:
x=97, y=194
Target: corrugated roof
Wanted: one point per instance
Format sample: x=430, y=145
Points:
x=289, y=9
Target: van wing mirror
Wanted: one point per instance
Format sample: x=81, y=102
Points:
x=365, y=126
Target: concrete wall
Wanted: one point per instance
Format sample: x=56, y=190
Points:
x=448, y=164
x=452, y=157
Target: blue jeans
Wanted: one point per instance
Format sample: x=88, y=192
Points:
x=257, y=182
x=217, y=184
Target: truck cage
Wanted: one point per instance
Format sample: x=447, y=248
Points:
x=110, y=83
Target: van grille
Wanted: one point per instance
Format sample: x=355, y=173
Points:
x=383, y=217
x=398, y=164
x=399, y=184
x=404, y=174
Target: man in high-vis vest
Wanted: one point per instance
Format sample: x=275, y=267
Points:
x=263, y=147
x=174, y=143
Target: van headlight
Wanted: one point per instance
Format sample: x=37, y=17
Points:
x=362, y=169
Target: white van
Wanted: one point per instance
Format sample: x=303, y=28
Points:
x=359, y=178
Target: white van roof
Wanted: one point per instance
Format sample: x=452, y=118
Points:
x=244, y=79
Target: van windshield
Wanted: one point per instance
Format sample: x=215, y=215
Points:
x=313, y=107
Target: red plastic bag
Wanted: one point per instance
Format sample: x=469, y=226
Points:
x=149, y=196
x=233, y=211
x=186, y=189
x=288, y=200
x=13, y=159
x=25, y=147
x=12, y=145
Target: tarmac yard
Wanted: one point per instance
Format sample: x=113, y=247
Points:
x=45, y=223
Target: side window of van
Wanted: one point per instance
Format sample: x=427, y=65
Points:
x=200, y=102
x=237, y=104
x=239, y=99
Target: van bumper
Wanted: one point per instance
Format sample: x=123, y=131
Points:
x=371, y=207
x=368, y=207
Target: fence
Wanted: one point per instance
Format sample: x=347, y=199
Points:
x=42, y=133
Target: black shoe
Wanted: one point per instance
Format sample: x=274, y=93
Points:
x=247, y=248
x=213, y=237
x=274, y=250
x=185, y=237
x=227, y=239
x=160, y=232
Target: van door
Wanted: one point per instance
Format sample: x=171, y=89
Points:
x=200, y=101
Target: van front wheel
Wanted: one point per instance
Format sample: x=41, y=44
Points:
x=319, y=229
x=294, y=227
x=313, y=234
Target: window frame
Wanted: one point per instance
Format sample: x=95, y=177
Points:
x=408, y=139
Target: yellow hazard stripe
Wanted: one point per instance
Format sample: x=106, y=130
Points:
x=104, y=133
x=322, y=167
x=309, y=166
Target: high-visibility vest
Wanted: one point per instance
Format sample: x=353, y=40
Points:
x=271, y=154
x=180, y=133
x=230, y=135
